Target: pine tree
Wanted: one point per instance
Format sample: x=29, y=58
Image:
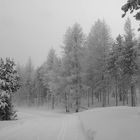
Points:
x=132, y=5
x=130, y=66
x=98, y=42
x=114, y=65
x=19, y=96
x=39, y=89
x=9, y=83
x=50, y=75
x=54, y=80
x=29, y=76
x=73, y=43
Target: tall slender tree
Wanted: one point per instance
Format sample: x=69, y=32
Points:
x=73, y=43
x=130, y=66
x=29, y=76
x=114, y=65
x=99, y=42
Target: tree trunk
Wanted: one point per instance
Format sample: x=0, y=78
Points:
x=108, y=95
x=124, y=97
x=52, y=101
x=108, y=98
x=104, y=98
x=133, y=102
x=92, y=96
x=127, y=98
x=77, y=105
x=88, y=98
x=116, y=92
x=100, y=96
x=66, y=103
x=120, y=95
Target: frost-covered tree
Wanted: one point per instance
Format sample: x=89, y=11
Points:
x=38, y=88
x=114, y=64
x=49, y=74
x=28, y=83
x=9, y=83
x=54, y=80
x=132, y=5
x=20, y=95
x=130, y=66
x=73, y=43
x=98, y=43
x=46, y=67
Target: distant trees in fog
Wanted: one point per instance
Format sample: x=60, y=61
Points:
x=93, y=70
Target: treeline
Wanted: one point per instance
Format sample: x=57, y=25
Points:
x=92, y=70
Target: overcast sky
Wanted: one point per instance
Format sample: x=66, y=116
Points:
x=32, y=27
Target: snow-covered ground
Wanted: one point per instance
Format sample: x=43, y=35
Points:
x=41, y=125
x=112, y=123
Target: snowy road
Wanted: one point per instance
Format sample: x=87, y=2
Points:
x=43, y=126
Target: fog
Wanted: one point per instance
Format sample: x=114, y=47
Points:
x=29, y=28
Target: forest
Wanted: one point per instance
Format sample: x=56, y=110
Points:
x=86, y=86
x=94, y=70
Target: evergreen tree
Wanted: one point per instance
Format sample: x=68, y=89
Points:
x=130, y=66
x=29, y=76
x=9, y=84
x=98, y=42
x=50, y=75
x=54, y=80
x=20, y=95
x=73, y=43
x=115, y=65
x=132, y=5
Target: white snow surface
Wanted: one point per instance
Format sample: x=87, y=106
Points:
x=41, y=125
x=112, y=123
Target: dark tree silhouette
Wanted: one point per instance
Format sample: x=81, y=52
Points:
x=132, y=5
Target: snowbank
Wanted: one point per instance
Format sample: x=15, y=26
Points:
x=112, y=123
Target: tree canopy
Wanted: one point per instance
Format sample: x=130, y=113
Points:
x=132, y=5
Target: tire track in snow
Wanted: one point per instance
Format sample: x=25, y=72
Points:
x=66, y=127
x=63, y=130
x=71, y=129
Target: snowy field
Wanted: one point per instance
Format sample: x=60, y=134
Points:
x=110, y=123
x=41, y=125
